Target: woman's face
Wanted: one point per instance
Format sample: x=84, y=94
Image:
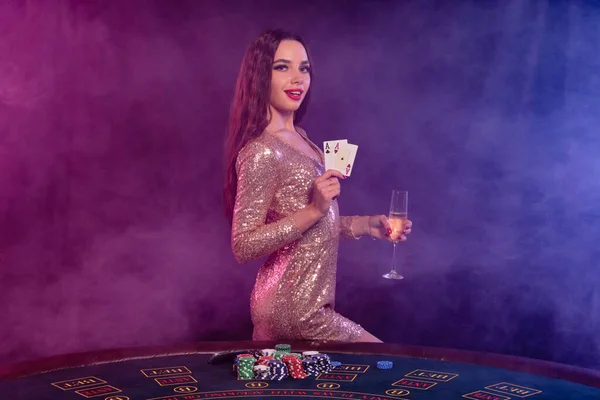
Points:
x=290, y=78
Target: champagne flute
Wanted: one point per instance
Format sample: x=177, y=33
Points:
x=397, y=217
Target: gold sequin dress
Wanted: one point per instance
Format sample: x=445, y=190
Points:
x=294, y=292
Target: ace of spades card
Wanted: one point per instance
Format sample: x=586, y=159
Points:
x=339, y=155
x=332, y=149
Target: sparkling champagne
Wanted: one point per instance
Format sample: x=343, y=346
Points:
x=397, y=221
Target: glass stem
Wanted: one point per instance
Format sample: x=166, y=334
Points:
x=394, y=259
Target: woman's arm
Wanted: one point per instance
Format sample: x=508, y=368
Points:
x=251, y=236
x=376, y=226
x=354, y=226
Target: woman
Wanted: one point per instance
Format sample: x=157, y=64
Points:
x=281, y=201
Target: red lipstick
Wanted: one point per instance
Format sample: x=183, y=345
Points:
x=294, y=94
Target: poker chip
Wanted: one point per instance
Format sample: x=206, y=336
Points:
x=323, y=362
x=245, y=367
x=278, y=370
x=294, y=366
x=280, y=363
x=264, y=360
x=237, y=357
x=268, y=352
x=261, y=372
x=279, y=354
x=283, y=347
x=310, y=367
x=385, y=364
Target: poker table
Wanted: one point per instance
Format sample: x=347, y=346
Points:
x=205, y=371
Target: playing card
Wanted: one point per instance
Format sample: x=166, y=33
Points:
x=331, y=149
x=352, y=149
x=341, y=158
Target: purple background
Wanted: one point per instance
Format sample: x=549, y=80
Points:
x=112, y=119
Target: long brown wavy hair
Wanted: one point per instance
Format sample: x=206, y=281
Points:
x=249, y=114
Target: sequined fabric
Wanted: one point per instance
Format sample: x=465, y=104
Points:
x=294, y=292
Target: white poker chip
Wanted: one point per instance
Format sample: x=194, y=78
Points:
x=268, y=352
x=309, y=353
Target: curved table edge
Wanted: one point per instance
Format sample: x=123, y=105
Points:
x=549, y=369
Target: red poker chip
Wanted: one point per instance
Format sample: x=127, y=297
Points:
x=264, y=360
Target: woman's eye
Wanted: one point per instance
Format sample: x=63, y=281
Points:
x=280, y=67
x=305, y=69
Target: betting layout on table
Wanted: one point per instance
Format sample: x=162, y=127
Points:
x=281, y=372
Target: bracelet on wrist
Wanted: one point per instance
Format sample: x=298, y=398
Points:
x=352, y=235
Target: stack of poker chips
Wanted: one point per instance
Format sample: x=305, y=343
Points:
x=235, y=361
x=284, y=347
x=315, y=363
x=261, y=371
x=245, y=366
x=279, y=363
x=323, y=363
x=310, y=367
x=278, y=370
x=294, y=366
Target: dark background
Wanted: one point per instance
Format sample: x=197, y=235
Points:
x=112, y=119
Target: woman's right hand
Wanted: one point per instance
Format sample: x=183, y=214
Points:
x=326, y=188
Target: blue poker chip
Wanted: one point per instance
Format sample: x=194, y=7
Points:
x=385, y=364
x=335, y=363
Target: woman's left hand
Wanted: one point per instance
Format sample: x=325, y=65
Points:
x=380, y=228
